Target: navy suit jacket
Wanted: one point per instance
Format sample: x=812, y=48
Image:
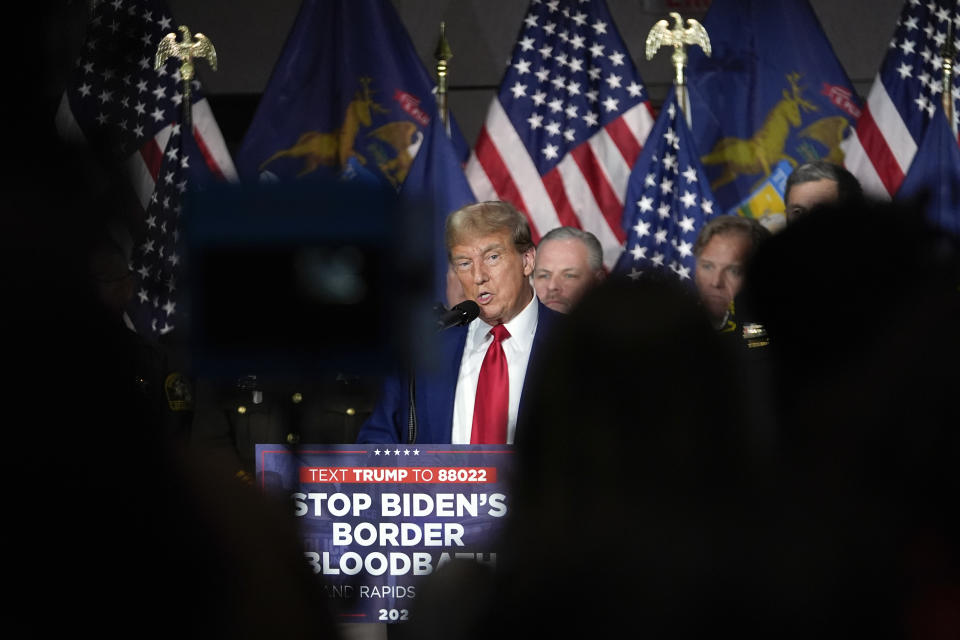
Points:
x=435, y=391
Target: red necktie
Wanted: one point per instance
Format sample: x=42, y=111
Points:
x=493, y=393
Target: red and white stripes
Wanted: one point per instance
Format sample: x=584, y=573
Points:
x=585, y=190
x=880, y=150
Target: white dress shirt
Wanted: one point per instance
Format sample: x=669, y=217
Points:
x=517, y=349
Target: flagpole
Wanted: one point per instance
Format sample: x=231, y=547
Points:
x=661, y=35
x=948, y=52
x=442, y=55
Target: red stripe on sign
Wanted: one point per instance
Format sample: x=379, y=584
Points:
x=603, y=193
x=878, y=151
x=621, y=135
x=398, y=475
x=553, y=183
x=152, y=156
x=207, y=156
x=499, y=176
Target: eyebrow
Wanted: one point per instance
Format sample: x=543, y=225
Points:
x=486, y=249
x=491, y=247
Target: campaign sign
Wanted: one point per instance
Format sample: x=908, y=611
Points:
x=377, y=519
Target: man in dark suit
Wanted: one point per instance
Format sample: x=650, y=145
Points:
x=473, y=393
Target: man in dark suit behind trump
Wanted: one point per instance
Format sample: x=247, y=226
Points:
x=474, y=394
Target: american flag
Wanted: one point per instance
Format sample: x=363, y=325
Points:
x=567, y=125
x=668, y=200
x=904, y=96
x=128, y=113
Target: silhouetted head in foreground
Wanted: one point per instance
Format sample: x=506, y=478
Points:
x=642, y=505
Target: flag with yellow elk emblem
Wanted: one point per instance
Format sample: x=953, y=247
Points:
x=349, y=99
x=772, y=96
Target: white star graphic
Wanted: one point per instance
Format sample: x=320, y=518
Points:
x=611, y=103
x=519, y=90
x=670, y=162
x=535, y=120
x=550, y=151
x=522, y=66
x=688, y=199
x=638, y=252
x=614, y=80
x=645, y=203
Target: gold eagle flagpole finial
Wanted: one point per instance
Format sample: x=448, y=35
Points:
x=442, y=55
x=191, y=47
x=661, y=35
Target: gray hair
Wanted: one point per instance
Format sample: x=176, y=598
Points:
x=594, y=250
x=848, y=187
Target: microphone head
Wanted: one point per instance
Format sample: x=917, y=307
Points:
x=458, y=315
x=469, y=310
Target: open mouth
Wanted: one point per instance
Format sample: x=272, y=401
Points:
x=484, y=298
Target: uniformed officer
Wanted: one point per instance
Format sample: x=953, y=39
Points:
x=164, y=387
x=235, y=415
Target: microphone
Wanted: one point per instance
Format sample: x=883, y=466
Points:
x=458, y=315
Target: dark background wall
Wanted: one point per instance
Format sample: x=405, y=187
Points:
x=249, y=36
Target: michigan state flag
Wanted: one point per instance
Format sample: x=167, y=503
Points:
x=771, y=96
x=348, y=98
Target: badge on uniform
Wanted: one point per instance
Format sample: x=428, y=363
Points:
x=178, y=393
